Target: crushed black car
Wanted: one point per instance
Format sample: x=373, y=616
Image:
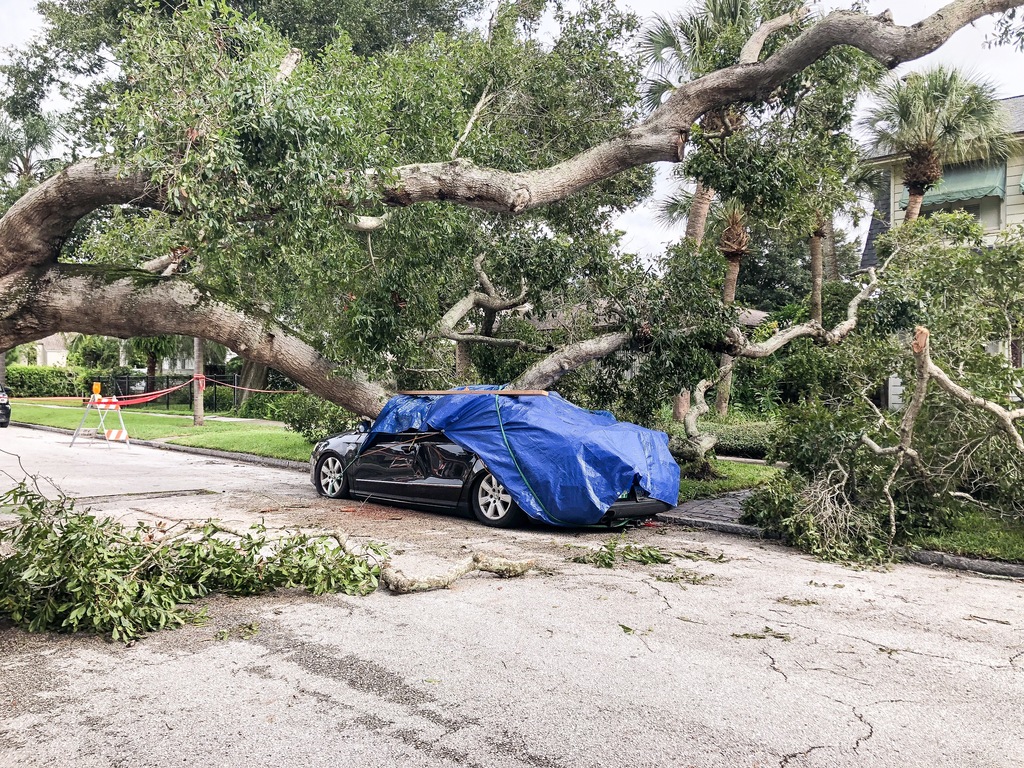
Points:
x=503, y=458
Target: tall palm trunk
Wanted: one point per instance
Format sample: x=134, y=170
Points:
x=916, y=197
x=697, y=218
x=732, y=274
x=198, y=355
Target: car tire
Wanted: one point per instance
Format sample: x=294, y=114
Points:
x=493, y=505
x=330, y=479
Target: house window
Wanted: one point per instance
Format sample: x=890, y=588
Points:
x=973, y=210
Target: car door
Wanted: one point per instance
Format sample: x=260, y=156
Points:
x=445, y=467
x=386, y=467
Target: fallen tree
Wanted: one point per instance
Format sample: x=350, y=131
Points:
x=40, y=295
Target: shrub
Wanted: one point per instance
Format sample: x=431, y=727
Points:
x=261, y=405
x=748, y=439
x=39, y=381
x=313, y=417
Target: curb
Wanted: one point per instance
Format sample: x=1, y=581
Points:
x=957, y=563
x=245, y=458
x=737, y=529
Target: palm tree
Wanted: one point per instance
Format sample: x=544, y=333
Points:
x=937, y=117
x=679, y=48
x=22, y=146
x=733, y=244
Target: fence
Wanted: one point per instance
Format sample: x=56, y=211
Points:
x=216, y=398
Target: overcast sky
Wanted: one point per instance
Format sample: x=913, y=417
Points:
x=1003, y=66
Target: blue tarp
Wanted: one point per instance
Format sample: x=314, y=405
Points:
x=562, y=464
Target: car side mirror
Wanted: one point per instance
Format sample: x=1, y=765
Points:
x=363, y=426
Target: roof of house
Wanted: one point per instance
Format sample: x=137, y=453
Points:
x=1014, y=106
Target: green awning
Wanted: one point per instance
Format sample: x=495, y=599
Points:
x=965, y=182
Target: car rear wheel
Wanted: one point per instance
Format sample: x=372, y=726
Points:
x=493, y=505
x=330, y=477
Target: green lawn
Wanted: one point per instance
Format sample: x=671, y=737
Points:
x=978, y=535
x=736, y=477
x=240, y=436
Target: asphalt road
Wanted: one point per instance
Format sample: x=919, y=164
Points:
x=768, y=658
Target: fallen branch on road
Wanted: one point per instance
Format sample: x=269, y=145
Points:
x=400, y=584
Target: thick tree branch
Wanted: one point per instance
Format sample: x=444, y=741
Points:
x=34, y=304
x=741, y=347
x=546, y=372
x=34, y=228
x=491, y=302
x=751, y=50
x=1005, y=417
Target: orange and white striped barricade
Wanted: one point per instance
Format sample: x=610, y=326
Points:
x=103, y=406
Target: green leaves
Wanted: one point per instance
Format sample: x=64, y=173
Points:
x=72, y=572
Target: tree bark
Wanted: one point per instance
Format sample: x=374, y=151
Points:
x=828, y=248
x=151, y=364
x=3, y=366
x=816, y=275
x=463, y=362
x=681, y=405
x=85, y=299
x=253, y=376
x=546, y=372
x=724, y=389
x=915, y=198
x=199, y=370
x=697, y=218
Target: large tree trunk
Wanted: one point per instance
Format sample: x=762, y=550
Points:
x=724, y=389
x=697, y=218
x=34, y=304
x=463, y=362
x=199, y=370
x=3, y=366
x=254, y=376
x=828, y=248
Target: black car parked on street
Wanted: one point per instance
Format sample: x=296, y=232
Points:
x=427, y=470
x=5, y=407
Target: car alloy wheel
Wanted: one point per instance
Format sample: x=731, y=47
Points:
x=330, y=476
x=494, y=505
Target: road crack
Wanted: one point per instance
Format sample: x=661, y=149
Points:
x=774, y=666
x=793, y=755
x=871, y=729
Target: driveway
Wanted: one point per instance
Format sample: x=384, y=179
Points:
x=739, y=653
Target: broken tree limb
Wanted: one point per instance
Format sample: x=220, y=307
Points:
x=1005, y=417
x=400, y=584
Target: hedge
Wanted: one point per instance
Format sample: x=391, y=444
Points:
x=43, y=381
x=747, y=439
